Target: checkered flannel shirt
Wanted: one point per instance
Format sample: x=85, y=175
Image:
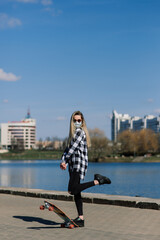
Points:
x=77, y=154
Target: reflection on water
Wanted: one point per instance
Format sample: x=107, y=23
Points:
x=132, y=179
x=17, y=178
x=33, y=174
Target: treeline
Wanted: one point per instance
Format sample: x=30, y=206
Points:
x=139, y=142
x=129, y=143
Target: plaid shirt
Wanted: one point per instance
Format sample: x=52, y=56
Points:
x=77, y=154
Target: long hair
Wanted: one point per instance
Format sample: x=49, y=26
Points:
x=72, y=128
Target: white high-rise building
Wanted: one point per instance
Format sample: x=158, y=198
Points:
x=18, y=134
x=121, y=122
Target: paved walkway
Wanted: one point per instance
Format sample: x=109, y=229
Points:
x=22, y=219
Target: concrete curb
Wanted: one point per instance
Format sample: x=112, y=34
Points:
x=125, y=201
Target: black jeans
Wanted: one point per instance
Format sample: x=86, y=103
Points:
x=75, y=188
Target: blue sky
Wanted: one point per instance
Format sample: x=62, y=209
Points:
x=58, y=56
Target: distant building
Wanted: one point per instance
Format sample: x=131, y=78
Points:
x=122, y=122
x=50, y=145
x=119, y=123
x=18, y=134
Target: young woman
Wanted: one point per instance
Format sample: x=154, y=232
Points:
x=76, y=157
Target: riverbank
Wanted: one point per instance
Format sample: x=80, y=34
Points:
x=56, y=154
x=32, y=155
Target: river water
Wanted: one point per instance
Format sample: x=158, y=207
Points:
x=130, y=179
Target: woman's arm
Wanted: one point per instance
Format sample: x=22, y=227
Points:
x=63, y=164
x=77, y=139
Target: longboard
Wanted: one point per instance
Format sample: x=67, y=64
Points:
x=68, y=222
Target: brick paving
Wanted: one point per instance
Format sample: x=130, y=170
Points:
x=22, y=219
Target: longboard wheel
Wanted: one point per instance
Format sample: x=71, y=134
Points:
x=42, y=207
x=71, y=226
x=51, y=208
x=63, y=225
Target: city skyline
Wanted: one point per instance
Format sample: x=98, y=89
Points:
x=122, y=122
x=92, y=56
x=119, y=123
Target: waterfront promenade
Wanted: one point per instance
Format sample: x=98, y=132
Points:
x=22, y=219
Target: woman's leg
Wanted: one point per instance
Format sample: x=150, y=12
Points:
x=79, y=204
x=75, y=186
x=73, y=182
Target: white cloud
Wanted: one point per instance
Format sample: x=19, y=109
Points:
x=157, y=110
x=46, y=2
x=5, y=100
x=27, y=1
x=47, y=6
x=93, y=2
x=150, y=100
x=9, y=77
x=60, y=118
x=43, y=2
x=8, y=22
x=53, y=12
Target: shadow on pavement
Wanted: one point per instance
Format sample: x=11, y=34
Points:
x=36, y=219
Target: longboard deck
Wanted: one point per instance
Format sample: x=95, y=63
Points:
x=68, y=222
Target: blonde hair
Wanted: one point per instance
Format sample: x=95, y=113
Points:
x=72, y=128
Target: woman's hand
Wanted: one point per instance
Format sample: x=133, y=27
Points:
x=63, y=166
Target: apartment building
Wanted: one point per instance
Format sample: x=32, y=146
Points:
x=18, y=134
x=121, y=122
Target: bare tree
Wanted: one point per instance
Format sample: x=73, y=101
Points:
x=138, y=142
x=40, y=144
x=147, y=141
x=99, y=145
